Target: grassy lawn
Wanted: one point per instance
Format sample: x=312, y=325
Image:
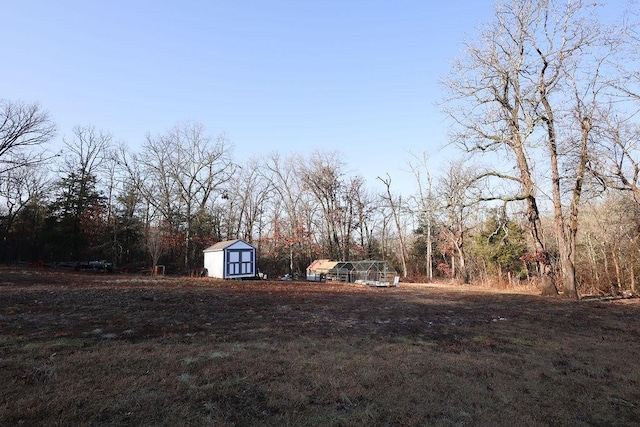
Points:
x=82, y=349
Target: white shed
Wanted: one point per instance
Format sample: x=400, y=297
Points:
x=230, y=259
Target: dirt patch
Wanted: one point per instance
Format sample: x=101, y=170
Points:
x=106, y=349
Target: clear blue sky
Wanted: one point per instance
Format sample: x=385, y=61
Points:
x=287, y=76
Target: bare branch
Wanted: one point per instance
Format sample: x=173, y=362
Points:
x=24, y=129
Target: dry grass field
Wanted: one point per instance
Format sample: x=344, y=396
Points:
x=83, y=349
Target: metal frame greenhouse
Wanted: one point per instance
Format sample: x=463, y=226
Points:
x=366, y=272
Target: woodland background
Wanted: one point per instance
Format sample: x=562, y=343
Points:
x=544, y=108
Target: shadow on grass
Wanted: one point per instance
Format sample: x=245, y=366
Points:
x=267, y=353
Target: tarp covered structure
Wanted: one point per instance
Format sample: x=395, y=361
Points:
x=368, y=272
x=317, y=271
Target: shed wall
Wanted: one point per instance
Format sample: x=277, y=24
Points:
x=214, y=263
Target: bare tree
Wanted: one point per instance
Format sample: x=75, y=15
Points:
x=179, y=171
x=154, y=245
x=426, y=206
x=351, y=213
x=610, y=233
x=323, y=176
x=18, y=188
x=395, y=204
x=617, y=163
x=365, y=206
x=293, y=217
x=86, y=151
x=252, y=191
x=24, y=129
x=530, y=92
x=459, y=197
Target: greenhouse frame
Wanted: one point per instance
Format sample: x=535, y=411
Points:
x=366, y=272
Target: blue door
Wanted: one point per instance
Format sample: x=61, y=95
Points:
x=240, y=262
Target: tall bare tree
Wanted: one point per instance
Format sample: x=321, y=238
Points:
x=293, y=217
x=459, y=195
x=252, y=191
x=365, y=205
x=425, y=206
x=24, y=129
x=529, y=91
x=617, y=162
x=178, y=173
x=86, y=151
x=323, y=177
x=395, y=203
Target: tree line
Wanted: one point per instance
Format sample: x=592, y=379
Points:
x=543, y=106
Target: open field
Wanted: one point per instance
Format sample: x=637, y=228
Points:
x=83, y=349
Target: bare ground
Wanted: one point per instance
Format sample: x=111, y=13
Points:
x=82, y=349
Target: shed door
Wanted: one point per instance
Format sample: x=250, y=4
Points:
x=239, y=262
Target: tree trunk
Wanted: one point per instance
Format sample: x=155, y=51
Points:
x=549, y=287
x=568, y=273
x=616, y=265
x=453, y=266
x=429, y=253
x=291, y=260
x=464, y=274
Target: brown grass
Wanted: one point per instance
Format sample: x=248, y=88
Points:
x=113, y=350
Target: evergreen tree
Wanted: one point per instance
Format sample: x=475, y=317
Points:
x=77, y=228
x=500, y=244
